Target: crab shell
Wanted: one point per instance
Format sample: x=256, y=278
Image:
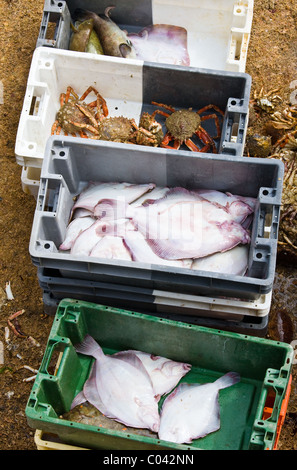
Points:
x=151, y=125
x=182, y=124
x=69, y=114
x=117, y=129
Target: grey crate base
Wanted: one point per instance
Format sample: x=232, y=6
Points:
x=225, y=308
x=253, y=326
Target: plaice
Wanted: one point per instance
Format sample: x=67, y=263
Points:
x=180, y=225
x=161, y=43
x=192, y=411
x=95, y=191
x=121, y=390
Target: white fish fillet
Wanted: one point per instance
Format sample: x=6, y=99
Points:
x=181, y=225
x=192, y=411
x=165, y=373
x=111, y=247
x=121, y=390
x=94, y=192
x=234, y=261
x=75, y=227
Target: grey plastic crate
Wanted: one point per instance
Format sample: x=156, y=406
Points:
x=69, y=163
x=128, y=296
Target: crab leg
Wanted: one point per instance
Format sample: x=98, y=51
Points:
x=190, y=144
x=167, y=139
x=210, y=106
x=147, y=133
x=88, y=114
x=216, y=119
x=56, y=129
x=166, y=106
x=86, y=126
x=69, y=92
x=159, y=111
x=62, y=99
x=100, y=100
x=206, y=139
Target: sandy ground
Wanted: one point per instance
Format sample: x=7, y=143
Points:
x=272, y=60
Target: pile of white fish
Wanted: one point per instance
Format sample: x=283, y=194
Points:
x=127, y=387
x=199, y=229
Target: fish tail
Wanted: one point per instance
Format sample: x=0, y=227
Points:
x=229, y=379
x=108, y=10
x=89, y=347
x=78, y=400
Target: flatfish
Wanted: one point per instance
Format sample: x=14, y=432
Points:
x=165, y=373
x=95, y=191
x=121, y=390
x=76, y=226
x=192, y=411
x=180, y=225
x=234, y=261
x=161, y=43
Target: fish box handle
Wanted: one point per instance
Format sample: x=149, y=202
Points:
x=55, y=355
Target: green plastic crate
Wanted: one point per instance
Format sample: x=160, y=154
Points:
x=264, y=366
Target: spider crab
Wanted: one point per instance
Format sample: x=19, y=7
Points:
x=265, y=101
x=91, y=121
x=183, y=124
x=77, y=116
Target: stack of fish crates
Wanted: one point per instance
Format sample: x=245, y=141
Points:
x=56, y=168
x=177, y=312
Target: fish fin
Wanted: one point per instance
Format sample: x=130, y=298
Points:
x=227, y=380
x=130, y=357
x=125, y=50
x=74, y=29
x=89, y=347
x=78, y=400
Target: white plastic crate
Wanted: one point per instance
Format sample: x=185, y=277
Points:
x=218, y=31
x=30, y=179
x=129, y=87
